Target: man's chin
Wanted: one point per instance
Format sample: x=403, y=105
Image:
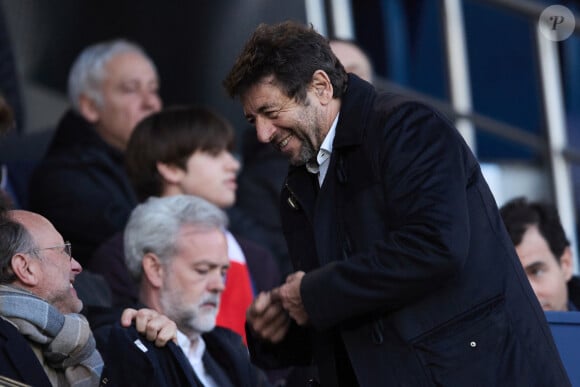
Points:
x=204, y=324
x=297, y=163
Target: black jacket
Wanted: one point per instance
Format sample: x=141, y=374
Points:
x=411, y=278
x=128, y=363
x=17, y=360
x=81, y=186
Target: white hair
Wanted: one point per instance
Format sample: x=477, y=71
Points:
x=88, y=70
x=154, y=226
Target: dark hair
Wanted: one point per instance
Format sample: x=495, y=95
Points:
x=519, y=215
x=14, y=238
x=289, y=51
x=171, y=136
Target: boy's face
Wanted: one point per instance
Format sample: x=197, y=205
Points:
x=211, y=177
x=547, y=276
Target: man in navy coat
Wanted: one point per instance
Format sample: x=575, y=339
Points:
x=177, y=248
x=404, y=272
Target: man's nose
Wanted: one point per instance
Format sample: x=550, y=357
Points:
x=151, y=100
x=75, y=266
x=217, y=282
x=264, y=130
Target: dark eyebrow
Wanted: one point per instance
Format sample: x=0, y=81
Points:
x=535, y=265
x=261, y=110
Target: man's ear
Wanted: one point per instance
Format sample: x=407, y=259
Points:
x=26, y=269
x=89, y=109
x=322, y=87
x=566, y=264
x=153, y=270
x=170, y=172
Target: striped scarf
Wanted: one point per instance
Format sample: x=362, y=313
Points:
x=67, y=341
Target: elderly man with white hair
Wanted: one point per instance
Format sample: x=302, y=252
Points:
x=176, y=248
x=80, y=185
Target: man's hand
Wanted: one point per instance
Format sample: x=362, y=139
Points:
x=289, y=295
x=267, y=318
x=154, y=325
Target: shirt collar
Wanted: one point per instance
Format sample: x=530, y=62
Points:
x=185, y=344
x=325, y=149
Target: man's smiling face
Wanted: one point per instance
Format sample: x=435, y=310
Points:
x=292, y=127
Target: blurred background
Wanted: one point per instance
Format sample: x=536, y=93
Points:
x=513, y=94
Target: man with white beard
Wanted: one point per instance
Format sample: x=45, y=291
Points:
x=176, y=248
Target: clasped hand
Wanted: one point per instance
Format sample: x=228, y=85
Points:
x=269, y=315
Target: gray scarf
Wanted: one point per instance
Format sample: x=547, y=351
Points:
x=66, y=340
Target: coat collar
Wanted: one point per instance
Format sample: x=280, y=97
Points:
x=75, y=132
x=354, y=112
x=355, y=106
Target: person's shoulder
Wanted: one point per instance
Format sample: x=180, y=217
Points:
x=124, y=342
x=250, y=247
x=390, y=103
x=112, y=247
x=223, y=337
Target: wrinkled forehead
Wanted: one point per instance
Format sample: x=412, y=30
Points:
x=128, y=64
x=200, y=235
x=261, y=95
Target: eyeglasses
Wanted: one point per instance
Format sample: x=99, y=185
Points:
x=66, y=248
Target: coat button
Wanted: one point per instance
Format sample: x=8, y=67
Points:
x=473, y=344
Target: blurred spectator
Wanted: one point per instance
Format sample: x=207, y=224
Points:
x=9, y=81
x=6, y=122
x=6, y=117
x=544, y=252
x=177, y=248
x=188, y=151
x=81, y=185
x=353, y=58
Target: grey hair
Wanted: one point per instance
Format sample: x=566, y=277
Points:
x=88, y=70
x=154, y=226
x=14, y=238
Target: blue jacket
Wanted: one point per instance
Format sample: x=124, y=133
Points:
x=128, y=364
x=17, y=360
x=410, y=274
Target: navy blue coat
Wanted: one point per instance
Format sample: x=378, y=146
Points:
x=17, y=360
x=127, y=364
x=408, y=266
x=81, y=186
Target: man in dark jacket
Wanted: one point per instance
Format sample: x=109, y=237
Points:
x=81, y=185
x=405, y=274
x=177, y=247
x=544, y=252
x=43, y=339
